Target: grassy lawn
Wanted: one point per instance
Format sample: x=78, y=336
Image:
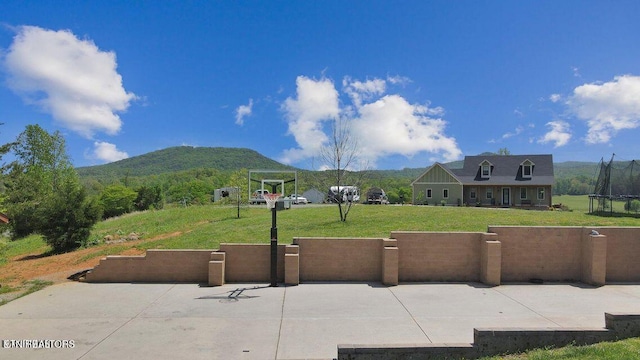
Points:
x=208, y=226
x=625, y=349
x=205, y=227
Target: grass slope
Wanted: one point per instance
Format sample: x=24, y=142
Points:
x=208, y=226
x=205, y=227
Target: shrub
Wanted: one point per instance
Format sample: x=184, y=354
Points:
x=633, y=205
x=68, y=218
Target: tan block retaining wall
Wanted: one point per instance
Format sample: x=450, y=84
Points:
x=503, y=254
x=156, y=266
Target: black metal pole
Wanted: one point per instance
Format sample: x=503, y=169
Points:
x=274, y=248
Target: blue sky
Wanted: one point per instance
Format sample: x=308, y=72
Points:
x=417, y=81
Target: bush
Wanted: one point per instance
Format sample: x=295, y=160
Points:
x=23, y=222
x=633, y=205
x=68, y=218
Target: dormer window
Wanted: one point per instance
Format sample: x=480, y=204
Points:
x=485, y=169
x=527, y=169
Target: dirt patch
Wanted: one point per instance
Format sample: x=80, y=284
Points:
x=58, y=268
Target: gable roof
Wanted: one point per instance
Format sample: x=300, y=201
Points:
x=444, y=167
x=506, y=170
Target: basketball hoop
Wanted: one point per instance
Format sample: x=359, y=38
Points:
x=271, y=200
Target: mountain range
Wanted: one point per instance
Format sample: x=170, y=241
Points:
x=181, y=158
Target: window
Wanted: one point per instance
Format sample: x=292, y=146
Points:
x=445, y=193
x=429, y=194
x=490, y=193
x=472, y=194
x=486, y=171
x=527, y=169
x=523, y=193
x=540, y=193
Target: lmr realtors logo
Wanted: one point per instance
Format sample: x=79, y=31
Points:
x=38, y=344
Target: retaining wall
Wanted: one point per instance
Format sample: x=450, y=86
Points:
x=503, y=254
x=498, y=341
x=157, y=265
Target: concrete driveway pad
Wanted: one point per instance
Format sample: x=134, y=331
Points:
x=254, y=321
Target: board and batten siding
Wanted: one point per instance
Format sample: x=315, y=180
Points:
x=437, y=179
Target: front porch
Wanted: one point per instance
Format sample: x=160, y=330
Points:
x=529, y=197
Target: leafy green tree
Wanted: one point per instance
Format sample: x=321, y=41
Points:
x=69, y=216
x=39, y=171
x=44, y=194
x=148, y=197
x=117, y=200
x=192, y=192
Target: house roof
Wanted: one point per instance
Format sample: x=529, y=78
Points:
x=4, y=218
x=437, y=164
x=505, y=170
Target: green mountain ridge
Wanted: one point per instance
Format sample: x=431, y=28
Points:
x=182, y=158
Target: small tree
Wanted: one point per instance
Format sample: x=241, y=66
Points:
x=117, y=200
x=149, y=197
x=238, y=180
x=340, y=158
x=67, y=218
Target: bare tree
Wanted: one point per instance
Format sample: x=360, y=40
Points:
x=343, y=173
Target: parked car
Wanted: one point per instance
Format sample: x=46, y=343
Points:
x=257, y=197
x=297, y=199
x=376, y=195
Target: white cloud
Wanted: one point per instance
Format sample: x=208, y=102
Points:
x=516, y=132
x=559, y=133
x=391, y=125
x=316, y=102
x=359, y=91
x=608, y=107
x=398, y=80
x=576, y=71
x=243, y=111
x=382, y=125
x=105, y=151
x=72, y=79
x=555, y=98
